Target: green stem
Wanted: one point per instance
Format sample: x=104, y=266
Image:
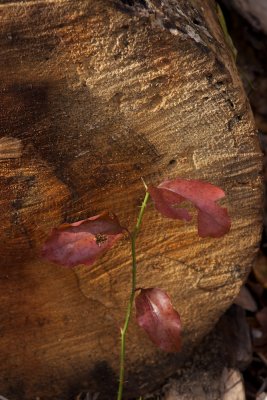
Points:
x=131, y=300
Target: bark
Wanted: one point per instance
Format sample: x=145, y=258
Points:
x=96, y=95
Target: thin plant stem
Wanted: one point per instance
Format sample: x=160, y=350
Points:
x=131, y=299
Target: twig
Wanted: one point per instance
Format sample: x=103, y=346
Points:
x=132, y=295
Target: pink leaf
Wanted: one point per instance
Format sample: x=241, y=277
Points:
x=156, y=315
x=213, y=220
x=82, y=242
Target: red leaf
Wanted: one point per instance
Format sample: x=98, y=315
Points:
x=156, y=315
x=213, y=220
x=82, y=242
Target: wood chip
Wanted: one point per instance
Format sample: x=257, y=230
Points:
x=232, y=385
x=236, y=334
x=262, y=396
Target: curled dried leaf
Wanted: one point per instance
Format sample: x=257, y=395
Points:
x=260, y=269
x=82, y=242
x=245, y=300
x=213, y=220
x=156, y=315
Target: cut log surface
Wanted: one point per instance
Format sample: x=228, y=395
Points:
x=96, y=94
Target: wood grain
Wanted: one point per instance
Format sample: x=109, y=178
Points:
x=94, y=96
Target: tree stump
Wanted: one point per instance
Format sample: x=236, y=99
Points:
x=95, y=95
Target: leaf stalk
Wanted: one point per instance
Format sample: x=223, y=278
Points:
x=132, y=295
